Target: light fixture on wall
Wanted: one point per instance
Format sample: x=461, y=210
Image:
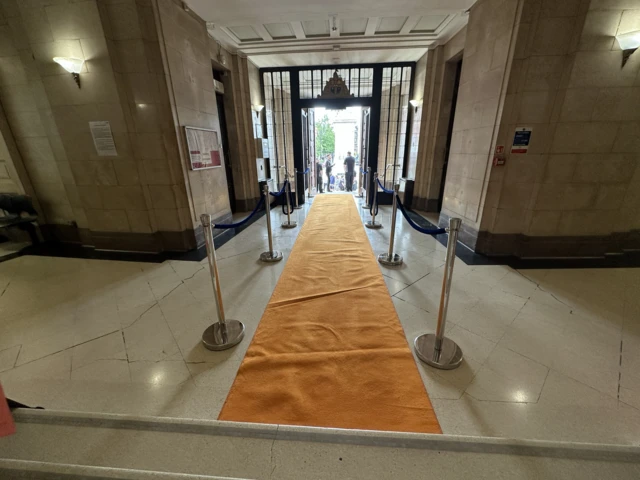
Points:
x=257, y=109
x=415, y=104
x=221, y=58
x=71, y=65
x=629, y=43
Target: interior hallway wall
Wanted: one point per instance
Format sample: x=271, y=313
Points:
x=29, y=34
x=418, y=93
x=241, y=126
x=577, y=190
x=485, y=71
x=435, y=113
x=188, y=51
x=145, y=198
x=10, y=180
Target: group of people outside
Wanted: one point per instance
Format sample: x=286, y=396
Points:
x=340, y=182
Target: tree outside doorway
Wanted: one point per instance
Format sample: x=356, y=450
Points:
x=325, y=138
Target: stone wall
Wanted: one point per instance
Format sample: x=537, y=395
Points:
x=577, y=190
x=241, y=128
x=148, y=71
x=435, y=113
x=188, y=52
x=485, y=69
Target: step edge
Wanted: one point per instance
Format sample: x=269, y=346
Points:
x=49, y=470
x=373, y=438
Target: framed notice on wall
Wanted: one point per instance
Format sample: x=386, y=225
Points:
x=204, y=148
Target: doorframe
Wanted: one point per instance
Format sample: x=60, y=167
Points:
x=373, y=102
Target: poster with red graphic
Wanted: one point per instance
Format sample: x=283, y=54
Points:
x=204, y=148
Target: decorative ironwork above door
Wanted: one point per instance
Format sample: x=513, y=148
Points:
x=335, y=88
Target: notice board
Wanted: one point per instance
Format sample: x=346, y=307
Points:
x=204, y=148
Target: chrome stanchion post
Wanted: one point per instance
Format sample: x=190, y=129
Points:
x=272, y=255
x=436, y=349
x=288, y=223
x=224, y=333
x=295, y=172
x=372, y=223
x=367, y=180
x=391, y=259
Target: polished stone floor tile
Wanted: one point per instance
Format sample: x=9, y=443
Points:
x=548, y=354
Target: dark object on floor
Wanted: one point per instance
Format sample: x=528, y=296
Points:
x=13, y=405
x=14, y=206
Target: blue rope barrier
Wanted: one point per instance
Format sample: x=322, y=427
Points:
x=428, y=231
x=284, y=185
x=241, y=222
x=306, y=171
x=384, y=189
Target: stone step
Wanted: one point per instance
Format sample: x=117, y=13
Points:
x=18, y=469
x=213, y=449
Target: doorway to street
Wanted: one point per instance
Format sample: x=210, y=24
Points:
x=335, y=145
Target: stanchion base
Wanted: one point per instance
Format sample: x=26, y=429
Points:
x=271, y=257
x=221, y=336
x=371, y=224
x=289, y=225
x=299, y=207
x=392, y=261
x=449, y=357
x=366, y=206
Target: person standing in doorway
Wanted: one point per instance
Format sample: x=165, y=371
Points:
x=327, y=168
x=319, y=181
x=349, y=170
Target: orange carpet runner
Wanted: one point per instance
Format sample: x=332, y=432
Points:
x=330, y=350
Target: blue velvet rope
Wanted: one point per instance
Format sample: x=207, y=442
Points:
x=306, y=171
x=428, y=231
x=384, y=189
x=241, y=222
x=284, y=185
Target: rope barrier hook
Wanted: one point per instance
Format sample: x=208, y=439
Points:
x=225, y=333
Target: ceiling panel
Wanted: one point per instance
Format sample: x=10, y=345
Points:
x=429, y=23
x=316, y=28
x=279, y=31
x=390, y=24
x=353, y=26
x=245, y=33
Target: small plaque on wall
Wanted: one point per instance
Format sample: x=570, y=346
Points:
x=204, y=148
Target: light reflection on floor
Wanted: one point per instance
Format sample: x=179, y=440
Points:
x=549, y=354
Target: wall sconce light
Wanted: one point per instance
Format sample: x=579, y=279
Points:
x=71, y=65
x=415, y=104
x=629, y=43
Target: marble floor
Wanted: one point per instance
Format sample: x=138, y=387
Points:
x=549, y=354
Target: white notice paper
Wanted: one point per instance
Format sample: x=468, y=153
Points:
x=103, y=139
